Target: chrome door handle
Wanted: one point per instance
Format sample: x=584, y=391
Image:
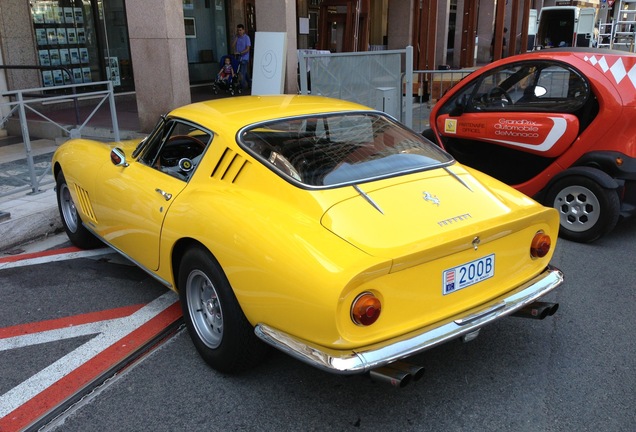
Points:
x=166, y=195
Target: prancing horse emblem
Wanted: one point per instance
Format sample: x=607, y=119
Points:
x=432, y=198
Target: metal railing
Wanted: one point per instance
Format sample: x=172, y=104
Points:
x=428, y=87
x=63, y=69
x=21, y=101
x=420, y=88
x=372, y=78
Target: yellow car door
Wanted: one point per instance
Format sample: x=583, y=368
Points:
x=132, y=206
x=135, y=195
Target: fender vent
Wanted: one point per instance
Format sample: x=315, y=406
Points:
x=85, y=203
x=231, y=165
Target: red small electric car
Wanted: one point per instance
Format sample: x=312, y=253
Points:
x=558, y=124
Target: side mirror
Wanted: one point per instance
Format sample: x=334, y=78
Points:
x=117, y=157
x=461, y=104
x=540, y=91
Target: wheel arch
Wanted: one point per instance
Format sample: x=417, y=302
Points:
x=588, y=202
x=599, y=176
x=56, y=169
x=596, y=174
x=178, y=251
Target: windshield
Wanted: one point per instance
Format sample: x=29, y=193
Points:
x=340, y=148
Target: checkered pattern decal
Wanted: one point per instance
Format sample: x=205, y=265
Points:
x=620, y=69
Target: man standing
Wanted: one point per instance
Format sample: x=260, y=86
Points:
x=241, y=46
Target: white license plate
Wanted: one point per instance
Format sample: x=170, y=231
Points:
x=468, y=274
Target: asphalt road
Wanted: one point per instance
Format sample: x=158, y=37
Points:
x=575, y=371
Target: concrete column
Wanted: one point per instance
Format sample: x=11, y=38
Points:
x=441, y=45
x=4, y=111
x=400, y=24
x=17, y=41
x=280, y=16
x=485, y=30
x=160, y=62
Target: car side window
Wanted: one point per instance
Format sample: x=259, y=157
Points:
x=528, y=87
x=176, y=147
x=562, y=84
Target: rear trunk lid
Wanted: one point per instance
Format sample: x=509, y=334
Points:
x=435, y=210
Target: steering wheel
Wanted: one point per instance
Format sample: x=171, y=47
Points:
x=184, y=138
x=499, y=95
x=179, y=147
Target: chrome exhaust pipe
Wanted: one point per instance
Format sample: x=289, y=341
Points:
x=416, y=372
x=391, y=376
x=398, y=374
x=537, y=310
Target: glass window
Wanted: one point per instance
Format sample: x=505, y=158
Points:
x=63, y=31
x=340, y=148
x=82, y=41
x=529, y=86
x=206, y=38
x=113, y=32
x=175, y=147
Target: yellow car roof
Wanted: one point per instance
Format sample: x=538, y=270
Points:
x=234, y=113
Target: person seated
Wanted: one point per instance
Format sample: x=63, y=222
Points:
x=227, y=71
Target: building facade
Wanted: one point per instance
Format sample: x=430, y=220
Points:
x=159, y=48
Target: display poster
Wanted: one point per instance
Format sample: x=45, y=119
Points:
x=83, y=53
x=112, y=70
x=69, y=18
x=77, y=75
x=71, y=36
x=45, y=59
x=75, y=56
x=65, y=57
x=61, y=40
x=58, y=79
x=86, y=74
x=47, y=78
x=40, y=35
x=61, y=36
x=56, y=60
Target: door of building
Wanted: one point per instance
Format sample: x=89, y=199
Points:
x=344, y=25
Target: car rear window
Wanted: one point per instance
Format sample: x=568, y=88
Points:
x=330, y=150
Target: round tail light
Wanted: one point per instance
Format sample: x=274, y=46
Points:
x=540, y=245
x=365, y=309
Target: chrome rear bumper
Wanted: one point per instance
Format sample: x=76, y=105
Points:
x=359, y=361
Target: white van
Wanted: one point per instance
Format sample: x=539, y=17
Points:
x=565, y=26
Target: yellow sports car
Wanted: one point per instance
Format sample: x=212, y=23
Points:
x=318, y=226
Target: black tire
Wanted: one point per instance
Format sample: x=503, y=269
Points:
x=586, y=209
x=217, y=326
x=75, y=230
